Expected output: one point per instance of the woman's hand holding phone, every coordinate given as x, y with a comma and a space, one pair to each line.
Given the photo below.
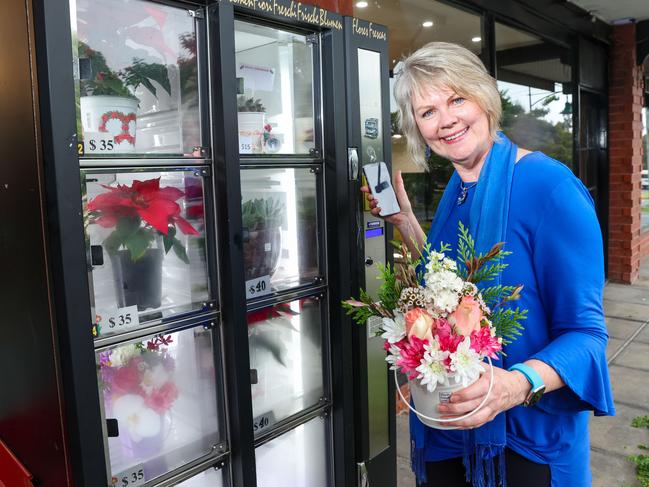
404, 220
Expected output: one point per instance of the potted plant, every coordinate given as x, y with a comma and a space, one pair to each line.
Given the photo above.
262, 220
145, 219
108, 105
251, 119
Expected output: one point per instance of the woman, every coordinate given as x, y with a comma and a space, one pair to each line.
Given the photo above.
449, 104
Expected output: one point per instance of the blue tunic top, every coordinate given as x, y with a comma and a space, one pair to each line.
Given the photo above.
557, 254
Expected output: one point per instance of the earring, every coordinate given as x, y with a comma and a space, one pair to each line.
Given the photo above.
428, 152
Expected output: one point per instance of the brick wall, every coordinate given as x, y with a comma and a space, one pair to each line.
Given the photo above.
625, 156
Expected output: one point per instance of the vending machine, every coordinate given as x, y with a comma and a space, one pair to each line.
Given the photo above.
181, 219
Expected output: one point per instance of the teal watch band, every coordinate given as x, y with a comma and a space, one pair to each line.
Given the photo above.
532, 376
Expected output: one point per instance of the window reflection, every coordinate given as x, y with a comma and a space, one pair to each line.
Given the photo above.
138, 78
279, 214
297, 458
285, 343
534, 79
275, 90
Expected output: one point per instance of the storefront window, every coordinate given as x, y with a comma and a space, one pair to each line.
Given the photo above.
411, 25
644, 176
534, 79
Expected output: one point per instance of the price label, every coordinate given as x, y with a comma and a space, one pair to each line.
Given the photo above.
118, 319
246, 145
98, 143
260, 286
133, 477
263, 422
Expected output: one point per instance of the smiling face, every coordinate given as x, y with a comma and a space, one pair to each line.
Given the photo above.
454, 128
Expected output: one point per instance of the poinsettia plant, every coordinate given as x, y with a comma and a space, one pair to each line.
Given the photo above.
140, 213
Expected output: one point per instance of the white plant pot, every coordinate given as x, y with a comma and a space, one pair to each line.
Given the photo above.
109, 124
251, 132
426, 402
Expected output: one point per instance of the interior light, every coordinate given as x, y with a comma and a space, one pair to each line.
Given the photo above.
427, 23
396, 136
476, 39
361, 4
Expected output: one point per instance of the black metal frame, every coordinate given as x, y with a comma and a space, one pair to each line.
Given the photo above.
382, 467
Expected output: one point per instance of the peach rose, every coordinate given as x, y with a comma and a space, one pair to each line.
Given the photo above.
419, 323
467, 316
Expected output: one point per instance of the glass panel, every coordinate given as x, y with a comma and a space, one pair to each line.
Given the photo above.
297, 458
286, 358
280, 227
275, 90
208, 478
162, 393
644, 174
145, 233
369, 85
534, 79
412, 24
138, 78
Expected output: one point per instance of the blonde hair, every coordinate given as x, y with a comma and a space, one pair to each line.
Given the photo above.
442, 64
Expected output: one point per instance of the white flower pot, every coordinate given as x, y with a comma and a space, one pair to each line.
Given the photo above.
251, 132
426, 402
109, 123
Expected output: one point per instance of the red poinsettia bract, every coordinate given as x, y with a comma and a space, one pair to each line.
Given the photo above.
144, 199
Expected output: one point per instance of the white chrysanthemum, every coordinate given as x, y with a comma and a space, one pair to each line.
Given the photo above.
466, 363
432, 370
394, 329
394, 354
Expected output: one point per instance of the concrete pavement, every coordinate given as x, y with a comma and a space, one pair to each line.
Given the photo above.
612, 438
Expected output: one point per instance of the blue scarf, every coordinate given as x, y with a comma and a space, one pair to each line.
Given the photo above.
489, 213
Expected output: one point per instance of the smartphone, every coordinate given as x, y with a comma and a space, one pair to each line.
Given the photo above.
378, 180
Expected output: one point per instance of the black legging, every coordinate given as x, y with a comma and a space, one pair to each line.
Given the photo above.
521, 472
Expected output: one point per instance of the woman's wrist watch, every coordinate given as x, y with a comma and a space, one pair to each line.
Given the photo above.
533, 377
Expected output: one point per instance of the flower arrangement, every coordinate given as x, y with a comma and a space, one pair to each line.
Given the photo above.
140, 213
438, 327
138, 383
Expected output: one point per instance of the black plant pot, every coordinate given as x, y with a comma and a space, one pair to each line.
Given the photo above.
261, 252
138, 282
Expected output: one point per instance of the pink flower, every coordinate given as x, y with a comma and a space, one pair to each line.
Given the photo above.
161, 399
485, 344
467, 316
412, 352
126, 380
419, 323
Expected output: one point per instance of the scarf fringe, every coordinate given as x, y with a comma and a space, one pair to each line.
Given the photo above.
418, 462
479, 462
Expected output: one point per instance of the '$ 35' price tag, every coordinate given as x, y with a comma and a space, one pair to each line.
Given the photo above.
133, 477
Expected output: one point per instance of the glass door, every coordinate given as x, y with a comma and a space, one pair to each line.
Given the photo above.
368, 130
150, 235
284, 253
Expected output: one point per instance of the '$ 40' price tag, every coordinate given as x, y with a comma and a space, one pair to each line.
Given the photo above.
259, 286
133, 477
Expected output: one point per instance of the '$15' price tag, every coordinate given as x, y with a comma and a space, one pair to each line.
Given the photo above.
133, 477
